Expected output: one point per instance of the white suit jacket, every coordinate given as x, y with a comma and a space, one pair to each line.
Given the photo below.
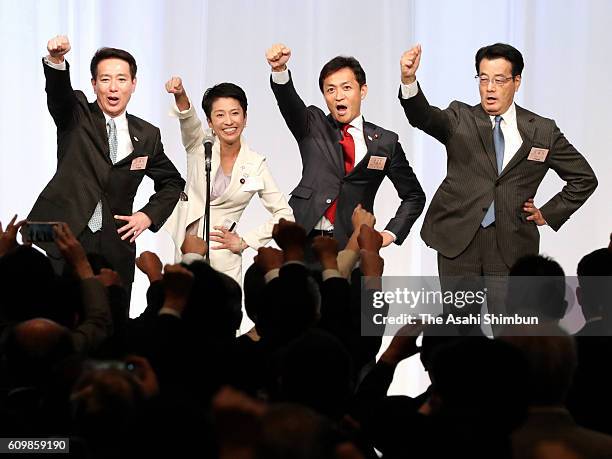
250, 175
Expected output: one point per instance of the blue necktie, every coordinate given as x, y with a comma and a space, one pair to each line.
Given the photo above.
499, 144
95, 222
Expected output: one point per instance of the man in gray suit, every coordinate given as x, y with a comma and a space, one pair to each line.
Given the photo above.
483, 216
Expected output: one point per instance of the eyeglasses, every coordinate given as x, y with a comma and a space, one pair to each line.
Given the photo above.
484, 80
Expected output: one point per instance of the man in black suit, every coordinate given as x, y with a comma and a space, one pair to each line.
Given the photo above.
344, 157
483, 217
102, 155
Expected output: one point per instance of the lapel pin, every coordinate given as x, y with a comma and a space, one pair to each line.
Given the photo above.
136, 139
376, 136
369, 137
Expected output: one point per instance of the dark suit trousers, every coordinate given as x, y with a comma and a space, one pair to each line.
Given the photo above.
479, 266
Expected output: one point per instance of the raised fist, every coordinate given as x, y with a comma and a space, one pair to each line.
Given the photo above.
175, 86
362, 217
57, 47
409, 63
150, 264
269, 258
277, 57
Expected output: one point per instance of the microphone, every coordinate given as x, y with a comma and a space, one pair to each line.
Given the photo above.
209, 139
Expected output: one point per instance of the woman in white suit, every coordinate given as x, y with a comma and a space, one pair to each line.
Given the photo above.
237, 174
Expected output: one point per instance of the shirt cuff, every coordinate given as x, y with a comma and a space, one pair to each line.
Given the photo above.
272, 274
409, 90
189, 258
281, 77
170, 312
176, 113
394, 236
330, 274
60, 66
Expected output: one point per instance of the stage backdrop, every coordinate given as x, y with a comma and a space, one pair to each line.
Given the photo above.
566, 45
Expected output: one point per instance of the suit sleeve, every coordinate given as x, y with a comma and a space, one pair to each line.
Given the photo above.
292, 108
61, 98
438, 123
409, 191
192, 134
580, 180
276, 203
168, 185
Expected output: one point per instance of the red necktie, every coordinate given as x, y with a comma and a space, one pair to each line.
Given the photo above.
348, 147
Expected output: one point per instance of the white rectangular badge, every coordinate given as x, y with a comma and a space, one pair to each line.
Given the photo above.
377, 162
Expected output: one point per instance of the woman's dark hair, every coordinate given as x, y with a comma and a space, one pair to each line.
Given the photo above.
223, 90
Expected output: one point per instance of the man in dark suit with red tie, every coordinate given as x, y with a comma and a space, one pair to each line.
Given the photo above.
344, 157
103, 153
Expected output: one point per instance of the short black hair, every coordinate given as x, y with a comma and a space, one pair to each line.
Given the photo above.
223, 90
112, 53
342, 62
504, 51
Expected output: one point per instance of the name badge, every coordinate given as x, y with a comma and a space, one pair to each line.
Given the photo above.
538, 154
252, 183
139, 163
377, 162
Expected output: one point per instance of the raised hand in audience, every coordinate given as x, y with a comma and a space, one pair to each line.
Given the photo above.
269, 258
326, 250
8, 237
108, 278
372, 264
360, 217
404, 344
369, 239
150, 264
72, 251
291, 238
194, 244
177, 281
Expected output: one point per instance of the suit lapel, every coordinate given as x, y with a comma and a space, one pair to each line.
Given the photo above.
137, 138
485, 130
526, 127
371, 136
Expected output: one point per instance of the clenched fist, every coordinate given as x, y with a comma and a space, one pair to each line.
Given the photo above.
277, 57
57, 47
409, 63
175, 86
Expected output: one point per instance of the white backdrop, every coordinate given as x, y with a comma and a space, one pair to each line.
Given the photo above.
566, 44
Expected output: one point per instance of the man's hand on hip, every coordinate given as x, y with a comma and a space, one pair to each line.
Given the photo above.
135, 225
